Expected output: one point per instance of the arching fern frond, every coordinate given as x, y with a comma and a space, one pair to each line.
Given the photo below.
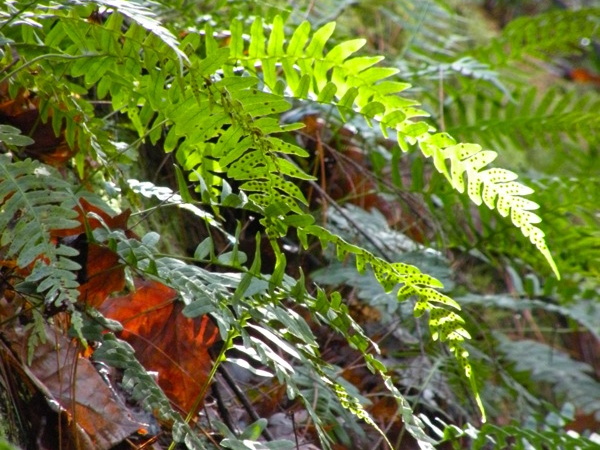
357, 84
495, 187
445, 324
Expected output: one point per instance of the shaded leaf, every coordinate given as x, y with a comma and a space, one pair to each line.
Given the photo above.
63, 376
165, 340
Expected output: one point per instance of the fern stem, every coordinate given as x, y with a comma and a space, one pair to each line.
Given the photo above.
47, 56
220, 358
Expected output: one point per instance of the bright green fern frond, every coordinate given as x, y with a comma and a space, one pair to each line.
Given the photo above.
356, 84
247, 151
445, 324
495, 187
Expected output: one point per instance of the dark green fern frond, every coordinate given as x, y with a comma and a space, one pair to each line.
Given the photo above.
421, 30
205, 292
34, 200
136, 379
575, 230
12, 136
466, 70
499, 438
515, 435
528, 120
543, 36
137, 12
571, 379
431, 30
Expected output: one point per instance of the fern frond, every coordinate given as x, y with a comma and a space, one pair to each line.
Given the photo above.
531, 118
495, 187
100, 55
247, 151
585, 313
34, 200
138, 12
570, 379
142, 14
124, 65
543, 36
431, 30
580, 245
137, 380
204, 293
499, 438
12, 136
467, 70
490, 436
445, 324
357, 84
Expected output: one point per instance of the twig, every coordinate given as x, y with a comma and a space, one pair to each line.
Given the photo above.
351, 221
223, 412
295, 430
243, 399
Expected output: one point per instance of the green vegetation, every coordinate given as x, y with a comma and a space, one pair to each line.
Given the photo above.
312, 200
